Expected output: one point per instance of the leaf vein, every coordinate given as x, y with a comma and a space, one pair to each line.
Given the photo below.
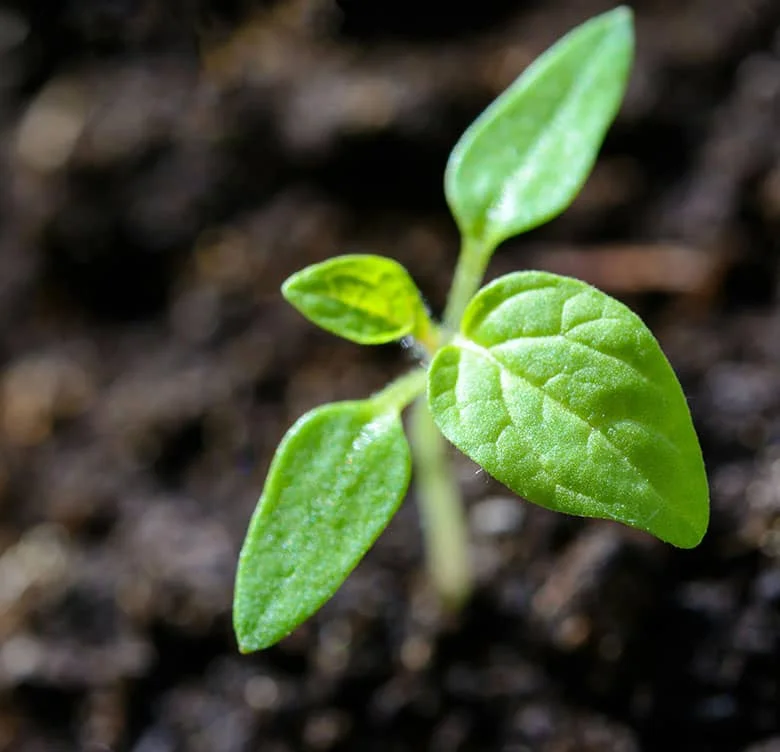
478, 349
575, 343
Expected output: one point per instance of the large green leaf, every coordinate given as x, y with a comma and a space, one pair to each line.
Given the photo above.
363, 298
524, 159
336, 480
562, 394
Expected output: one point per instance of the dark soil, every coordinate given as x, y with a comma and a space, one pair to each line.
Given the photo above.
165, 165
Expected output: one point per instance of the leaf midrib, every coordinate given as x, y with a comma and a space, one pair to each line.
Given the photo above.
467, 344
378, 317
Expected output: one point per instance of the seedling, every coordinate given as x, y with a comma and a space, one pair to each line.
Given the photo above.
557, 390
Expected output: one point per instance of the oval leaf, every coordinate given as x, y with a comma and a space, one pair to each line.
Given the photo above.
525, 158
363, 298
563, 394
335, 482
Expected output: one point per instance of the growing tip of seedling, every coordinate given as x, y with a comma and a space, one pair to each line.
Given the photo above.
525, 158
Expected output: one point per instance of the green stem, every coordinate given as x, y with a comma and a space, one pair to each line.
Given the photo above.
441, 509
472, 262
401, 391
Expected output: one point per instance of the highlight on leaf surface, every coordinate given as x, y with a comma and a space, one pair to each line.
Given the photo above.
563, 394
335, 482
525, 158
367, 299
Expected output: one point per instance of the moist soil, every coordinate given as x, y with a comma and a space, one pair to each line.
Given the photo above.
165, 166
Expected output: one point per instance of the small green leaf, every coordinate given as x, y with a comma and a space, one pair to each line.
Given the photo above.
363, 298
335, 482
563, 394
525, 158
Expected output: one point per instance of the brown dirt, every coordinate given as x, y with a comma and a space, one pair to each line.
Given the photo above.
165, 166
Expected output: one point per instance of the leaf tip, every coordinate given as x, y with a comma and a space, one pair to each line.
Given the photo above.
248, 645
621, 14
244, 639
289, 288
253, 632
621, 22
243, 634
692, 534
680, 531
245, 648
250, 638
617, 19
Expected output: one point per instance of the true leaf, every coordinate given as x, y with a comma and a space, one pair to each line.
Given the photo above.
336, 480
563, 394
363, 298
525, 158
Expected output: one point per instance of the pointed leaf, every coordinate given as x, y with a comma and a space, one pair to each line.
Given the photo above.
363, 298
562, 394
525, 158
335, 482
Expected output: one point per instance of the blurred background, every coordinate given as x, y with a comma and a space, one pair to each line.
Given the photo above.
164, 166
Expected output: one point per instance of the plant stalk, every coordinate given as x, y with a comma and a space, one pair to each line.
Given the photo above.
469, 272
444, 526
441, 507
401, 391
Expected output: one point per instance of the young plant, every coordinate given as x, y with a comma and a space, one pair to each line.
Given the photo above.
557, 390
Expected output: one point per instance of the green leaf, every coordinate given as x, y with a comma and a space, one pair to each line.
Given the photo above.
525, 158
363, 298
563, 394
335, 482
